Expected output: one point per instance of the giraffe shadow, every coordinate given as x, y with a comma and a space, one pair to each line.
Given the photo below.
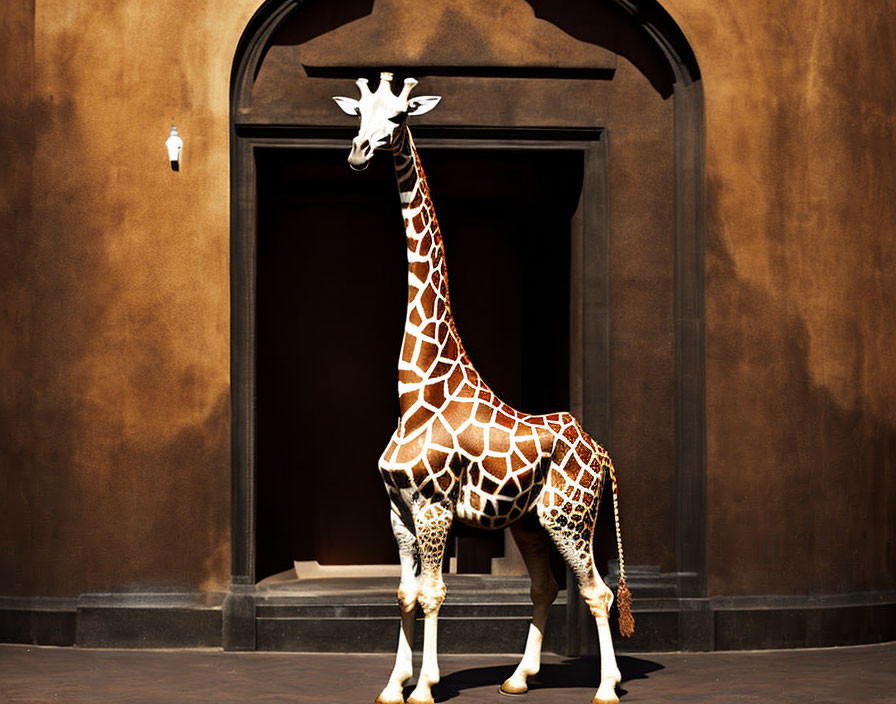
576, 672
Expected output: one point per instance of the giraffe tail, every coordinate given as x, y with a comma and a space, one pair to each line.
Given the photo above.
623, 595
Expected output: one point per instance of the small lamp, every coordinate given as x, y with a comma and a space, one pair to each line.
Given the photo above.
174, 144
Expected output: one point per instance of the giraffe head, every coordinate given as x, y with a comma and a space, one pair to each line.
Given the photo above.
382, 116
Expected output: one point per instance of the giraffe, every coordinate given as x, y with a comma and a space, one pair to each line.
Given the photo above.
460, 453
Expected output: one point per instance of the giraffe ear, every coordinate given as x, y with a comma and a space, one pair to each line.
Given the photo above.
422, 104
349, 106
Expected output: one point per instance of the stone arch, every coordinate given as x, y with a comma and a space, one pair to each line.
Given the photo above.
651, 40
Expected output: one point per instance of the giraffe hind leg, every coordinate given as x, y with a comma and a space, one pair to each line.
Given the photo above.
534, 546
571, 527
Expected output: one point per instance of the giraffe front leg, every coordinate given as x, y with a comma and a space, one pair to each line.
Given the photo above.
407, 601
535, 549
432, 523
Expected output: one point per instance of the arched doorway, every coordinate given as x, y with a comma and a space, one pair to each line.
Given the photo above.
605, 94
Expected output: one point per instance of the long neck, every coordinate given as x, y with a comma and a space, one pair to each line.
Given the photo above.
431, 344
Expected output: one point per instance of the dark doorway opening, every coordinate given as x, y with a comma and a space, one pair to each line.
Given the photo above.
331, 292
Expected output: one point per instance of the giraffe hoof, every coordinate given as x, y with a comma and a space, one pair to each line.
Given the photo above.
381, 700
512, 690
612, 699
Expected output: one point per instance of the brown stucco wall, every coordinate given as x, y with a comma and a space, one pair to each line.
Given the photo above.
801, 293
114, 401
16, 148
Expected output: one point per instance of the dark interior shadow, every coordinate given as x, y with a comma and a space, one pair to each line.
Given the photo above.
494, 204
575, 672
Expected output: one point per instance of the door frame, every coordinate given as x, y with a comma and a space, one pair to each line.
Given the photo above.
589, 291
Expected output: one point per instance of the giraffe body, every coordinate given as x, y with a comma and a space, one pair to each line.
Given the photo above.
460, 452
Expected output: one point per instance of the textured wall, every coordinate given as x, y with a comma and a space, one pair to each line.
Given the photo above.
16, 149
114, 415
801, 293
115, 401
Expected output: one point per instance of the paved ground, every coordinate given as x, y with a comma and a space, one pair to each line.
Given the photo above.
865, 674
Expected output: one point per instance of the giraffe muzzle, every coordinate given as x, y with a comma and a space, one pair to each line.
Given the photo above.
359, 156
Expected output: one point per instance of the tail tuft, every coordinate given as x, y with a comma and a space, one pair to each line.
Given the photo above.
624, 603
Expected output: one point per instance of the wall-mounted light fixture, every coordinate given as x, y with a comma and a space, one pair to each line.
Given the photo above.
174, 144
